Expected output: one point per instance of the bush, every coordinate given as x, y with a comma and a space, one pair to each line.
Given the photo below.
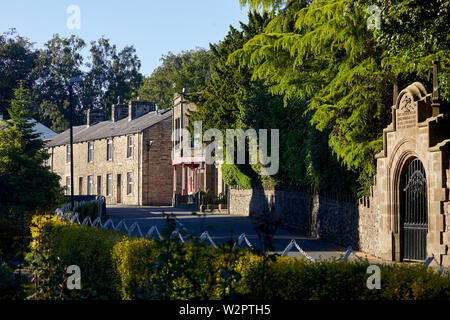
88, 209
87, 247
233, 176
6, 282
116, 266
10, 231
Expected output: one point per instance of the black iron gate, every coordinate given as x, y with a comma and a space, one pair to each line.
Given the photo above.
414, 212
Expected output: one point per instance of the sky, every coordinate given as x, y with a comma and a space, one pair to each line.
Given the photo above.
153, 27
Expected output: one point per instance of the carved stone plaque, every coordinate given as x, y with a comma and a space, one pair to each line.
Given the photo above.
406, 112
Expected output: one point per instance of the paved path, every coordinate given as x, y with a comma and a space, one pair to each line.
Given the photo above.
221, 228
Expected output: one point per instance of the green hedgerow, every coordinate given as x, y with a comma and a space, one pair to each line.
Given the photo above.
116, 266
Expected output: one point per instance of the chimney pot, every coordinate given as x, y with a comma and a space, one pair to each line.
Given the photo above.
93, 116
138, 108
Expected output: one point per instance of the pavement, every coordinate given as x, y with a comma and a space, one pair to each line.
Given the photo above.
223, 228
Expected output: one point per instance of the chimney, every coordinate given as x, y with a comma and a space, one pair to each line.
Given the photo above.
156, 109
119, 110
435, 104
93, 116
138, 108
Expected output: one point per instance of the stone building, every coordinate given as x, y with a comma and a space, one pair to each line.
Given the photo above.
126, 159
407, 216
190, 171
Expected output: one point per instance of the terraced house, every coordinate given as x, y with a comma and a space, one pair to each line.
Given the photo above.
127, 159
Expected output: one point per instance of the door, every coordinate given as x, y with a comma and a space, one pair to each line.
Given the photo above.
119, 188
414, 212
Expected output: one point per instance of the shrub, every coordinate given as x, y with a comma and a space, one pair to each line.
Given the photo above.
87, 247
115, 266
88, 209
6, 282
233, 176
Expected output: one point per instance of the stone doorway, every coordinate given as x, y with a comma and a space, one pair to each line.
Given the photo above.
413, 212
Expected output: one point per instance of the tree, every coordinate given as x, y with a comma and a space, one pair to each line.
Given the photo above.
60, 60
112, 73
29, 184
17, 59
189, 69
232, 100
414, 33
109, 73
331, 59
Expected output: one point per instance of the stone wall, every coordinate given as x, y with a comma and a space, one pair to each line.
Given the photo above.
334, 219
157, 184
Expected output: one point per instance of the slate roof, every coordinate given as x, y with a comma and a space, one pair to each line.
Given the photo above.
107, 129
44, 132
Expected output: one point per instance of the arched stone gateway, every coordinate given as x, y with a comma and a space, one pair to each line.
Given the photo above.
407, 216
413, 212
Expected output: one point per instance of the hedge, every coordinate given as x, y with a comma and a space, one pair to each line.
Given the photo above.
119, 267
6, 282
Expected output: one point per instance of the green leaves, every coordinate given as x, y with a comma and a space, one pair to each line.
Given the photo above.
189, 69
330, 58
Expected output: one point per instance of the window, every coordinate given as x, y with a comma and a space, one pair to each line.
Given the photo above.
68, 154
67, 185
99, 185
109, 184
129, 182
90, 151
89, 185
80, 186
178, 133
109, 150
130, 147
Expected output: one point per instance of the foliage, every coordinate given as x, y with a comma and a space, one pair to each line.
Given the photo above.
168, 269
189, 69
331, 59
21, 161
233, 99
413, 33
17, 60
57, 245
88, 209
109, 73
112, 73
6, 282
330, 56
233, 176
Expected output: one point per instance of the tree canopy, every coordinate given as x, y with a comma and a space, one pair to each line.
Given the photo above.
344, 69
189, 69
27, 184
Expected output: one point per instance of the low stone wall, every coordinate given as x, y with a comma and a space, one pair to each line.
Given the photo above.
291, 207
339, 221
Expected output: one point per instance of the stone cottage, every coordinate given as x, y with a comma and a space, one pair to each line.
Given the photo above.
126, 159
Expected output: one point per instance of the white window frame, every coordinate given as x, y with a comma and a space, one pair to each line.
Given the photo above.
109, 150
90, 157
68, 151
90, 185
109, 184
130, 146
130, 183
